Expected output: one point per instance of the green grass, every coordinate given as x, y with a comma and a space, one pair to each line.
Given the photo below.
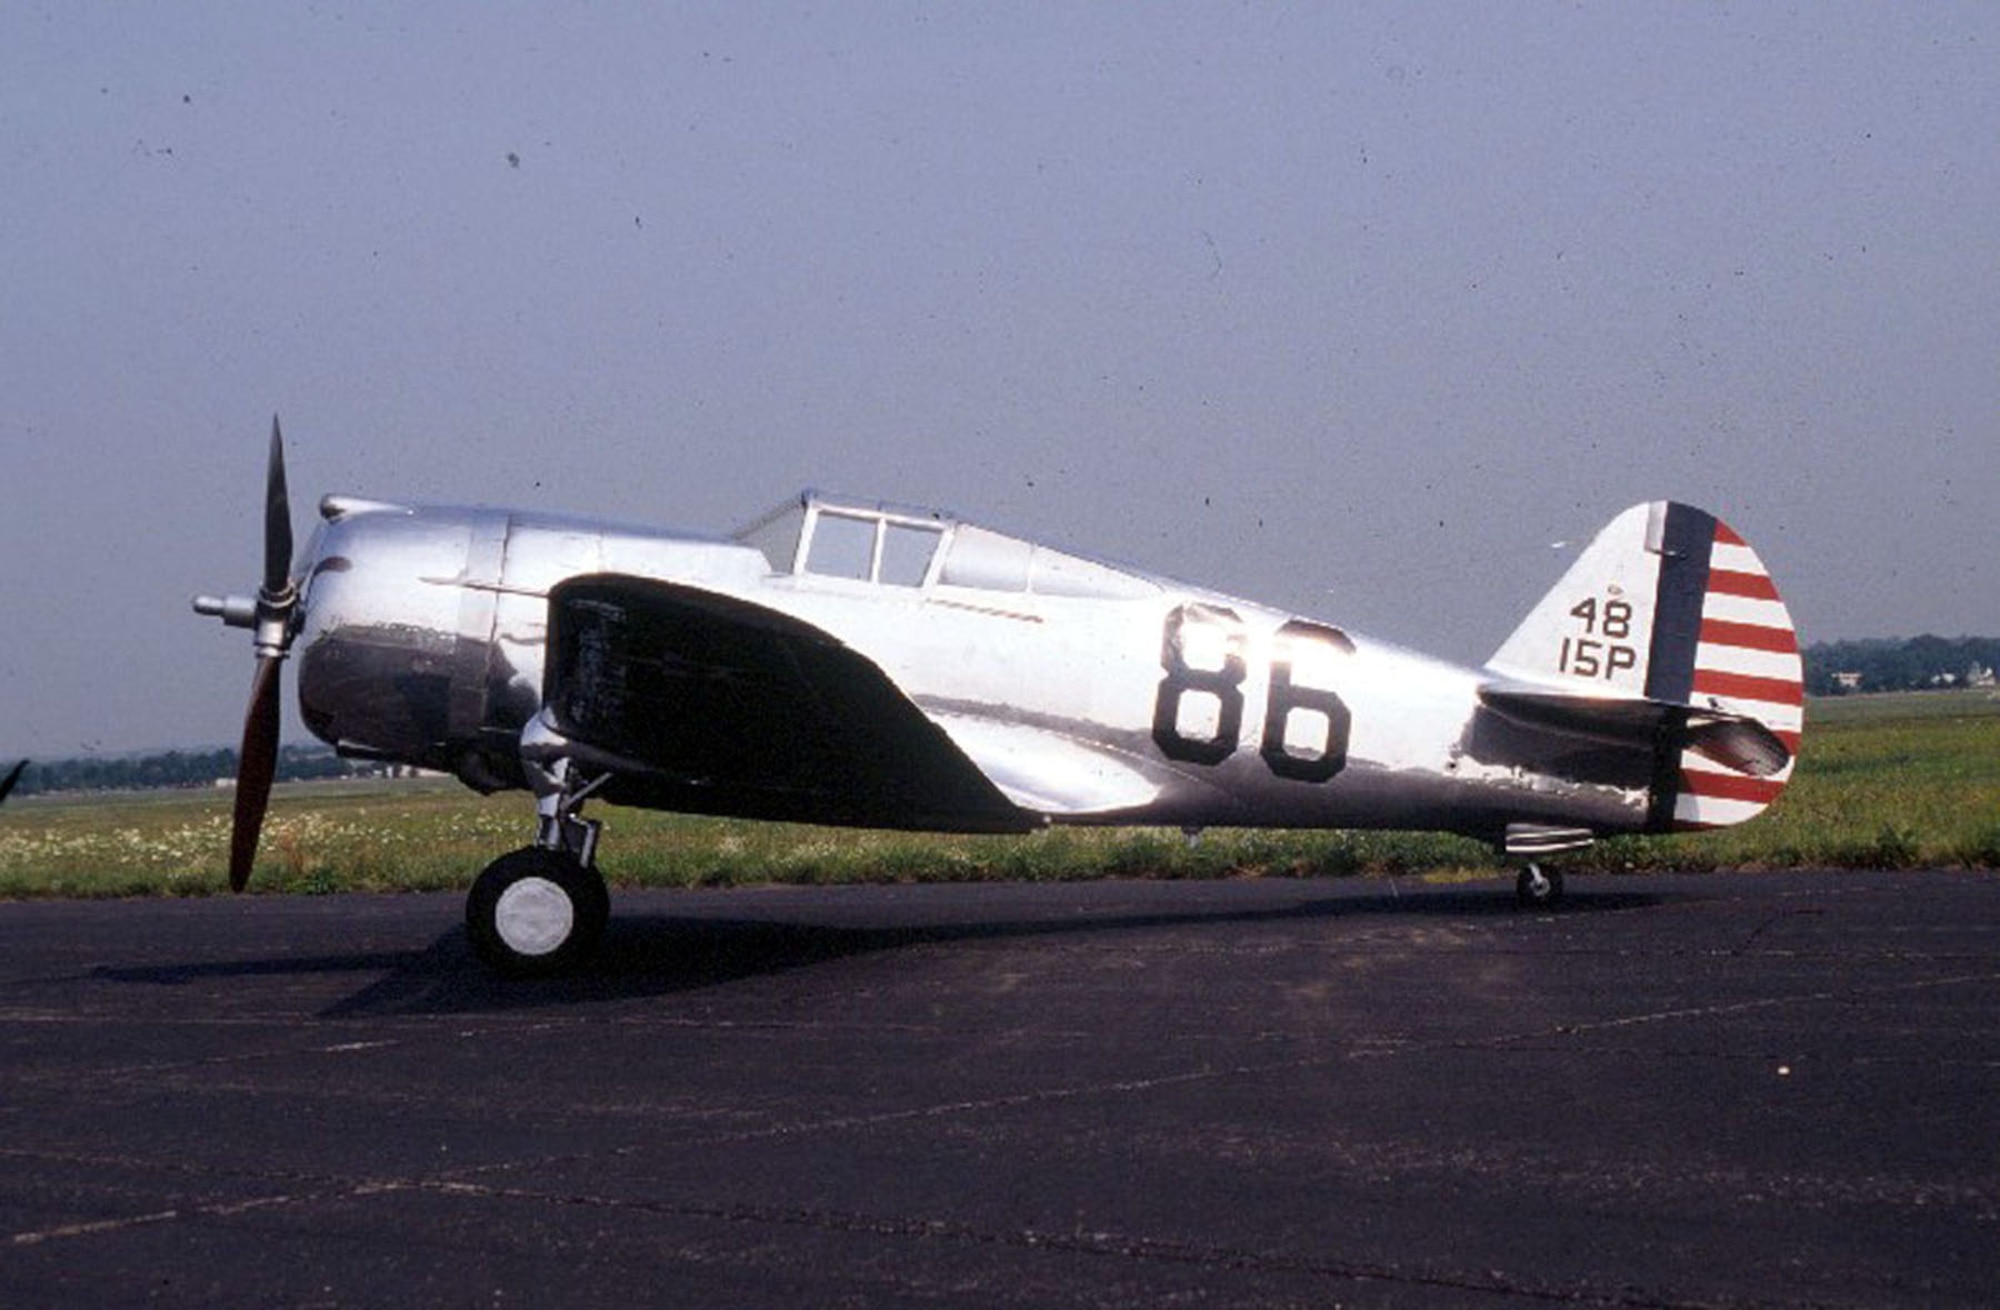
1883, 781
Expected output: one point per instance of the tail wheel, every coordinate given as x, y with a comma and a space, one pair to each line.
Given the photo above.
1538, 887
535, 913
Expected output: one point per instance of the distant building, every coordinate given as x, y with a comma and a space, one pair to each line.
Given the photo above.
1847, 681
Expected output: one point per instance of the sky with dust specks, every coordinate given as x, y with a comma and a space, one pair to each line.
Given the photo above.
1359, 310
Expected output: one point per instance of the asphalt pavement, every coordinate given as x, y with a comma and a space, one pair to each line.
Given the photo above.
1671, 1091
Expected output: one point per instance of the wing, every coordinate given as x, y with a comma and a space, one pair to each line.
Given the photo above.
707, 704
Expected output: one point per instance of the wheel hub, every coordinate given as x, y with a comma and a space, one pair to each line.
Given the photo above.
534, 916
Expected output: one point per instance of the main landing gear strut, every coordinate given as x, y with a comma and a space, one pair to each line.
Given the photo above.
541, 910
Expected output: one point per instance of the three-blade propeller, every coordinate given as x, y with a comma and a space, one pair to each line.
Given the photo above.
269, 615
13, 776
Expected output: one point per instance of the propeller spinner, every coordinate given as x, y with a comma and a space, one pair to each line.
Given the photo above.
269, 616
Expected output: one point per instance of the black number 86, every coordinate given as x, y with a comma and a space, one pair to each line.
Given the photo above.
1225, 683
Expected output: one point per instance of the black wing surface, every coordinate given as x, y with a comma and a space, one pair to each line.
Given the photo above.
706, 704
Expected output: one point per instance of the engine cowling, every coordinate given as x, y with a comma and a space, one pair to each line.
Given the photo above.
397, 649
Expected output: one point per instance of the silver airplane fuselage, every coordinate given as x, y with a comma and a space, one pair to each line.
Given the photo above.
1084, 692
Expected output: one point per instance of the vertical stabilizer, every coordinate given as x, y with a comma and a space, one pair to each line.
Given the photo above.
1667, 604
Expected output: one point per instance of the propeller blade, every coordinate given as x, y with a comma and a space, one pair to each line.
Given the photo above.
13, 776
277, 522
256, 764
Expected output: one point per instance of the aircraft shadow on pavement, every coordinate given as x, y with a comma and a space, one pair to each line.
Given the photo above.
661, 954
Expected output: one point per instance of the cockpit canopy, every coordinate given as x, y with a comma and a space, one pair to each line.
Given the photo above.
900, 546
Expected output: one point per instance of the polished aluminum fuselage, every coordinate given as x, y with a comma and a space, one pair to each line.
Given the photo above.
1085, 693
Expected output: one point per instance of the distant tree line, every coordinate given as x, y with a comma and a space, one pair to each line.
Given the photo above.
176, 769
1927, 663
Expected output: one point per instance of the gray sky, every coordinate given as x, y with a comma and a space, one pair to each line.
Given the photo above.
1353, 309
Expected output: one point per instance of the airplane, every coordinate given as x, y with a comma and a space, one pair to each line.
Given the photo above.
848, 662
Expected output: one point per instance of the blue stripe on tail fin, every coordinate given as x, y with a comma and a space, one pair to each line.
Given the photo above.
1685, 541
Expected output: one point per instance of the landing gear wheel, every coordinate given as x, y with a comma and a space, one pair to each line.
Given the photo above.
535, 913
1537, 888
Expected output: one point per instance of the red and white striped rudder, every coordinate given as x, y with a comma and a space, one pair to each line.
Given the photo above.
1745, 661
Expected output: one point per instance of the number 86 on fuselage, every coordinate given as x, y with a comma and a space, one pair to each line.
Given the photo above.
1198, 708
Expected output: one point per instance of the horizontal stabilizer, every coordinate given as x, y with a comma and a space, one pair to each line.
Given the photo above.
1735, 741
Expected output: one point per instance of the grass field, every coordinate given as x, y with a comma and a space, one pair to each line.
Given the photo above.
1883, 781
